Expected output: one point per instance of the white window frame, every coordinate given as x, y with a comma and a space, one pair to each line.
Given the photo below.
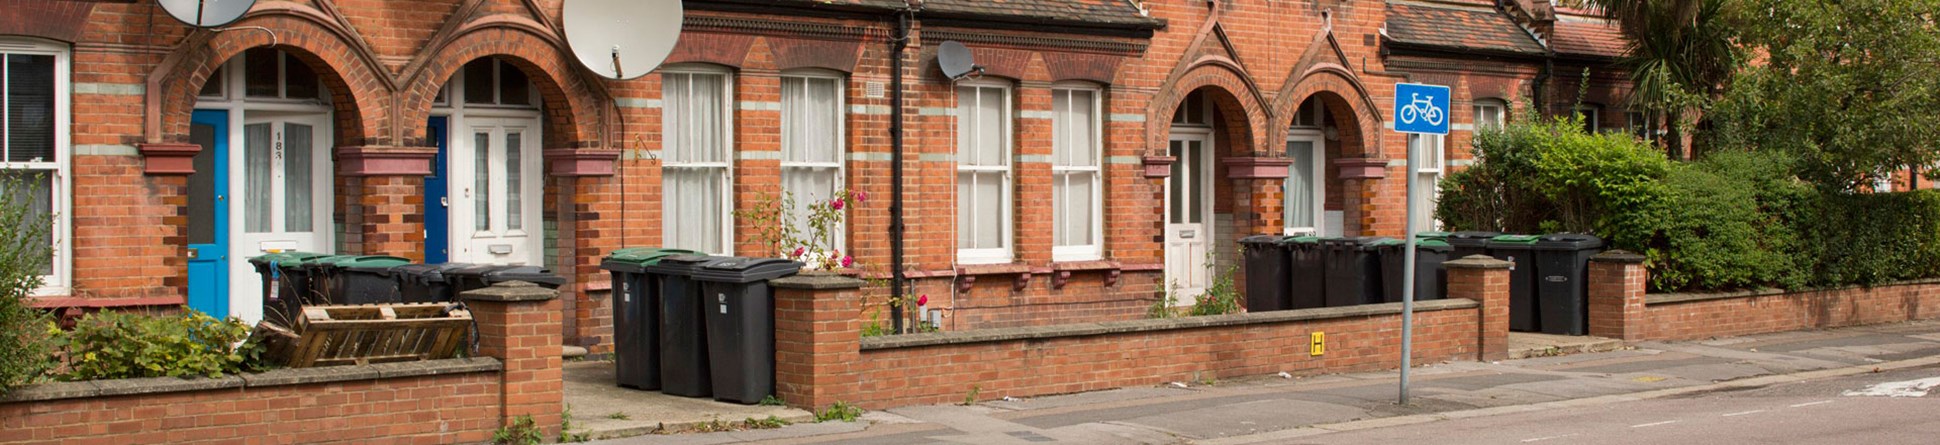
1309, 125
727, 157
841, 144
60, 283
1093, 250
1592, 116
1005, 253
1432, 161
1489, 108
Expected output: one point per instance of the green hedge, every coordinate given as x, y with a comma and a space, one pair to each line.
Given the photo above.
1733, 220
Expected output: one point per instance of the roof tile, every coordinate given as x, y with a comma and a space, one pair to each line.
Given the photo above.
1115, 12
1458, 28
1597, 38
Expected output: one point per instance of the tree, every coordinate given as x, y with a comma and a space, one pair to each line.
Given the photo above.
24, 351
1681, 53
1846, 88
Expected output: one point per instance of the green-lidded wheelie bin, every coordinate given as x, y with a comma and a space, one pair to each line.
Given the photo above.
1562, 273
282, 290
1470, 243
324, 279
741, 325
1430, 278
1307, 274
683, 327
1353, 270
1523, 307
1266, 273
1431, 236
366, 280
636, 314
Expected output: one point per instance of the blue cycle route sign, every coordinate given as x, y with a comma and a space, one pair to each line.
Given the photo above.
1420, 109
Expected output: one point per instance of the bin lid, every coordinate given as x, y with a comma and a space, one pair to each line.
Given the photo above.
426, 273
1355, 242
1473, 235
471, 270
1261, 239
1568, 241
1434, 245
1514, 242
1305, 239
530, 274
1431, 235
745, 270
282, 258
328, 261
636, 259
683, 264
373, 264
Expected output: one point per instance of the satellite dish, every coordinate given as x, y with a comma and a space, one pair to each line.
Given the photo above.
622, 39
206, 13
956, 61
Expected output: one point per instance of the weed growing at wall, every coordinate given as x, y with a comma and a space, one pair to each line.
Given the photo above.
114, 345
522, 431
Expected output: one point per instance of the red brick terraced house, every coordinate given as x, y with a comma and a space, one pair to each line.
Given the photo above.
1104, 149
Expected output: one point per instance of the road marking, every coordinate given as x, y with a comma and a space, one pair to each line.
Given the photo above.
1909, 388
1667, 422
1539, 439
1806, 404
1744, 413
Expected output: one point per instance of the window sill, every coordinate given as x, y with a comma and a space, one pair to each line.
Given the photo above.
967, 274
1061, 271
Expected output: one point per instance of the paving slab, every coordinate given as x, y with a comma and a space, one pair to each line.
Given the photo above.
604, 410
1533, 344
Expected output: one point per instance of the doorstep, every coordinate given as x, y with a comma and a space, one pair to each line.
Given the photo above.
1533, 344
598, 406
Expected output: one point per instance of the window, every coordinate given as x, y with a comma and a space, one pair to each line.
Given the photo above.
983, 173
1193, 111
1305, 194
1591, 115
1490, 114
34, 145
1427, 179
1076, 183
1639, 124
695, 165
272, 74
491, 81
811, 144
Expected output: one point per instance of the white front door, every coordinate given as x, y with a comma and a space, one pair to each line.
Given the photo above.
495, 192
280, 190
1188, 216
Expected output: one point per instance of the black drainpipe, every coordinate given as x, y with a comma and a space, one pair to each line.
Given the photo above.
897, 44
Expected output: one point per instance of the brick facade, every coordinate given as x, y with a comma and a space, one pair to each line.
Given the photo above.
1619, 307
384, 61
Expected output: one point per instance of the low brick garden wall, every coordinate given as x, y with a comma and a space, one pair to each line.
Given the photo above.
517, 372
1620, 308
823, 359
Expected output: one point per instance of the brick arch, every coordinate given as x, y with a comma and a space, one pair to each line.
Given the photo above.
1232, 95
359, 89
1336, 87
572, 105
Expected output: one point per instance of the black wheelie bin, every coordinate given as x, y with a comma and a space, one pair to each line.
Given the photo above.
1562, 281
1523, 306
1266, 259
1307, 277
683, 327
636, 315
741, 325
1353, 270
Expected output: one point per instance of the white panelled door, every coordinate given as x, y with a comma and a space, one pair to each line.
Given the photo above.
1188, 209
495, 192
279, 188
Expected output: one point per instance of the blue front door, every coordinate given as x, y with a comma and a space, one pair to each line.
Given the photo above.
437, 216
209, 214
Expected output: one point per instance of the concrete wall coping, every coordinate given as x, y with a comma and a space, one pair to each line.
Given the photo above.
1618, 256
272, 378
1153, 325
1674, 298
510, 291
816, 281
1478, 262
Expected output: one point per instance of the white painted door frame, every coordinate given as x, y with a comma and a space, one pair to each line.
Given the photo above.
496, 239
1188, 266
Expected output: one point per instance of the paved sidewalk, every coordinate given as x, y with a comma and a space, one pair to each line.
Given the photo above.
1271, 409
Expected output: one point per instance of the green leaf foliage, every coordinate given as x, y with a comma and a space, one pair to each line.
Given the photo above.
113, 345
25, 347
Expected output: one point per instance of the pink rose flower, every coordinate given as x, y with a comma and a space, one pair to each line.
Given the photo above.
836, 204
848, 261
923, 300
861, 196
799, 251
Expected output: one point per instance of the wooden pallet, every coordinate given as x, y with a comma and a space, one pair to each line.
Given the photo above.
346, 335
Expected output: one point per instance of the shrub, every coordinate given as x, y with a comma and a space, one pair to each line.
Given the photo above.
1731, 227
1869, 239
1549, 175
113, 345
25, 352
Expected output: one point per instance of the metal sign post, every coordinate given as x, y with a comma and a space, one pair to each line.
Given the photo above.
1419, 111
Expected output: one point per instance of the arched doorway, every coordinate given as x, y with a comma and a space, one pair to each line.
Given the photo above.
484, 195
264, 177
1206, 210
1311, 196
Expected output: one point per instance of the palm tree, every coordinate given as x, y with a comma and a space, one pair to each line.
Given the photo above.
1680, 52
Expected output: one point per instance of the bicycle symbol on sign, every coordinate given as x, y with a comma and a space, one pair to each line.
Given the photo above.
1421, 108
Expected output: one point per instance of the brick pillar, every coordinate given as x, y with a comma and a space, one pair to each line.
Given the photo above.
818, 339
387, 209
1617, 280
518, 323
1485, 280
